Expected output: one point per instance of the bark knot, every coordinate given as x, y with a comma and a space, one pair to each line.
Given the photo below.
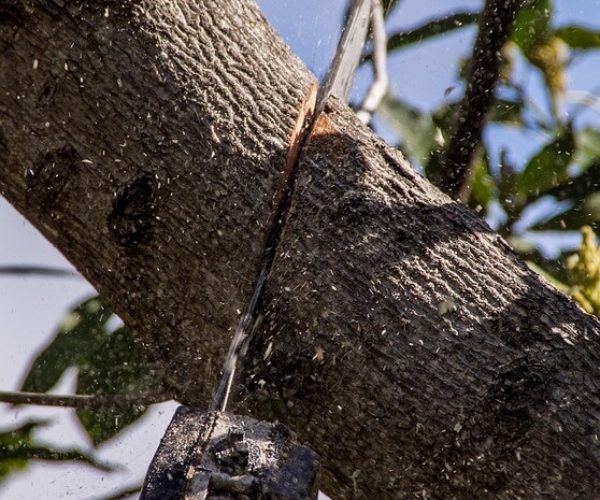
134, 211
49, 179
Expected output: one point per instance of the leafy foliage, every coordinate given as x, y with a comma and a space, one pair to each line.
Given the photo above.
108, 362
546, 169
578, 37
417, 130
584, 273
533, 25
563, 175
17, 447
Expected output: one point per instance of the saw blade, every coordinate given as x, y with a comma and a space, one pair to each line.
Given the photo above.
339, 77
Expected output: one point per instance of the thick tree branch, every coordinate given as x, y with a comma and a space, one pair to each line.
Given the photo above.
136, 125
147, 145
495, 26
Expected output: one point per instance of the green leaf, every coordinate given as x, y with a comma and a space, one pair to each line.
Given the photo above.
430, 29
577, 188
547, 168
533, 25
584, 193
443, 117
578, 37
116, 367
71, 346
101, 425
17, 448
584, 212
11, 440
519, 244
588, 147
507, 192
107, 363
550, 278
483, 185
507, 112
417, 131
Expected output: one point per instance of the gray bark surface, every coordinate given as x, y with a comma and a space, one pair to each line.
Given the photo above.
147, 145
398, 336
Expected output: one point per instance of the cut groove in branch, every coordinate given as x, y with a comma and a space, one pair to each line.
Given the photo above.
300, 133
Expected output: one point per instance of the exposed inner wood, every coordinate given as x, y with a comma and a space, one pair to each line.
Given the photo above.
298, 138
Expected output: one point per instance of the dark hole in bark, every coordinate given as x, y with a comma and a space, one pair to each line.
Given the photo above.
50, 176
47, 92
134, 211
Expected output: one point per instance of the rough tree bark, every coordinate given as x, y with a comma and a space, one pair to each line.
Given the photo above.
398, 335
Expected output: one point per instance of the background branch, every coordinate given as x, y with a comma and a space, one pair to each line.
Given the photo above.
25, 270
431, 28
126, 492
80, 400
380, 78
495, 26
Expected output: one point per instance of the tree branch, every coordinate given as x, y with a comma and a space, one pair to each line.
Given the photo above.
44, 271
80, 400
126, 493
431, 28
495, 26
379, 85
185, 113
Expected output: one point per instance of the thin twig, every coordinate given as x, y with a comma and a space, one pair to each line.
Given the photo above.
125, 493
80, 400
495, 26
32, 452
25, 270
380, 80
429, 29
586, 100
